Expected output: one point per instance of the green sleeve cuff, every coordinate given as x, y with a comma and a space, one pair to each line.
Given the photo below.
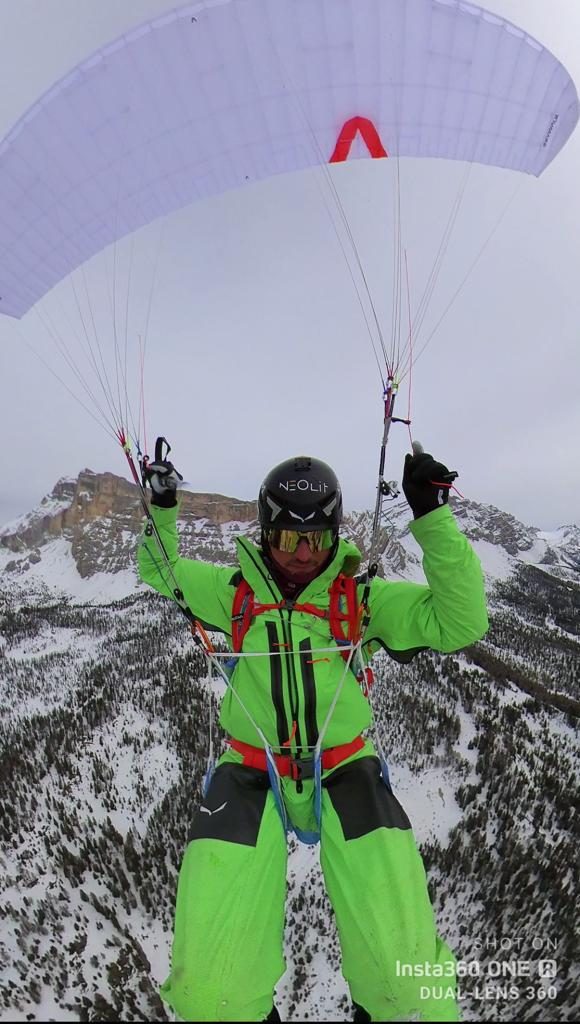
164, 516
431, 523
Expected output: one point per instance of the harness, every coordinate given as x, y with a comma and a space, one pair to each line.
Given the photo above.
344, 615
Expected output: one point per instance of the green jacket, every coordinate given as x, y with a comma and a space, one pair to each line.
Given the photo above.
293, 684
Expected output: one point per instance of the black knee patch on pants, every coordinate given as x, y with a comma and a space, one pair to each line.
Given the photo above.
233, 806
362, 800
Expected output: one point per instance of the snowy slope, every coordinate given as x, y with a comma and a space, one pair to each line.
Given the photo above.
104, 710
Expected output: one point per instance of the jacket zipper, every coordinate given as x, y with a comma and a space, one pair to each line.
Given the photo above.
309, 687
292, 683
276, 685
279, 705
293, 692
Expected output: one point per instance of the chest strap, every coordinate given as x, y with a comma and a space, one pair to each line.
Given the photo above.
292, 767
344, 613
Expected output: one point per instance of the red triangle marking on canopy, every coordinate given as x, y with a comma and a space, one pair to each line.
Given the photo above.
347, 136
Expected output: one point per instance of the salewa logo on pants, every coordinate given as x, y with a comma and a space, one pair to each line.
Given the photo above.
206, 810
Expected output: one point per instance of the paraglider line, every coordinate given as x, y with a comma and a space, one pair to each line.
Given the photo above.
70, 362
105, 377
470, 269
410, 349
339, 205
441, 253
104, 424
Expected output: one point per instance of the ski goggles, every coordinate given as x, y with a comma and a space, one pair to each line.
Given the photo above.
288, 540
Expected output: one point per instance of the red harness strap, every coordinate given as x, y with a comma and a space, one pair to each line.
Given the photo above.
255, 757
344, 625
242, 613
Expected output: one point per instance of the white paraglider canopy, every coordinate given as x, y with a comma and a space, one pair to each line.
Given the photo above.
220, 94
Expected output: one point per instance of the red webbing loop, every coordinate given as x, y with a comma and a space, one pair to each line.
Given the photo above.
255, 757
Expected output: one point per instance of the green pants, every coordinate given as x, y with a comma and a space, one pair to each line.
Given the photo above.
228, 942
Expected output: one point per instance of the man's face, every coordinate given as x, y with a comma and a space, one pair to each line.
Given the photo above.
302, 564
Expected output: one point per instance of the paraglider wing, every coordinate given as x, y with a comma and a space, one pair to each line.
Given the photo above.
217, 95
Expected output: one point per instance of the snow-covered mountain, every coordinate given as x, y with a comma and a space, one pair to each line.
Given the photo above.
104, 716
88, 527
84, 534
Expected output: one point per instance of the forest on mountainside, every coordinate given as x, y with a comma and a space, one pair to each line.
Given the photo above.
103, 748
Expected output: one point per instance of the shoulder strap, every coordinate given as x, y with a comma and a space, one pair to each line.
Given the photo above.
242, 613
244, 610
346, 625
343, 614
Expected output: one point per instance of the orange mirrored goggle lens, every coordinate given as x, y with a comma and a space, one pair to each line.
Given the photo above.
288, 540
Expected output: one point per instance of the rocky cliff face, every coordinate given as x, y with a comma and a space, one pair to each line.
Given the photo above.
484, 522
101, 515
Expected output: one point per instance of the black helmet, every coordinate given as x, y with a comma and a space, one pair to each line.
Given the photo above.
300, 494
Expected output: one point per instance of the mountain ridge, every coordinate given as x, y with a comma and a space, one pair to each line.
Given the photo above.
100, 515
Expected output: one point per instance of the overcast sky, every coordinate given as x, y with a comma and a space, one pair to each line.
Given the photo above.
257, 348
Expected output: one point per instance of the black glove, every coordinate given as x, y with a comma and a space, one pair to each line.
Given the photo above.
162, 477
424, 482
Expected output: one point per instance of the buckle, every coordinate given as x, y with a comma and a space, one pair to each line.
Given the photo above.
301, 768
